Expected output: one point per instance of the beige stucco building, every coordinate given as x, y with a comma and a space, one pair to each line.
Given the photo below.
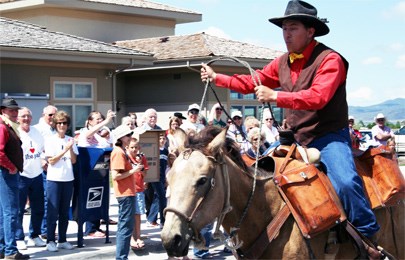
84, 55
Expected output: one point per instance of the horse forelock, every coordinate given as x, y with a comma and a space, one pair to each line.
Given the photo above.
201, 141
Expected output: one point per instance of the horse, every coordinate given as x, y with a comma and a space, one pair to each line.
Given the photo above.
209, 179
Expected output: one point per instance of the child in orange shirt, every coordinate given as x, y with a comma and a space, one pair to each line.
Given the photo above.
139, 163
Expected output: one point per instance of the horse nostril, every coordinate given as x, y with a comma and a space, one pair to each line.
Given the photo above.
177, 241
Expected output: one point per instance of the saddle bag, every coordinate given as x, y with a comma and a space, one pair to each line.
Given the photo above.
309, 194
383, 181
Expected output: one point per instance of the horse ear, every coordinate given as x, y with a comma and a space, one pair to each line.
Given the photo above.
217, 143
181, 138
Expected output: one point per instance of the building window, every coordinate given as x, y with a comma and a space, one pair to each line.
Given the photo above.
73, 90
76, 97
249, 110
237, 96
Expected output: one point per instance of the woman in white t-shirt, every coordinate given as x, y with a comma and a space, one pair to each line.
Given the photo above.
61, 153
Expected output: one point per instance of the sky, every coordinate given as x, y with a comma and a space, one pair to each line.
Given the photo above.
370, 34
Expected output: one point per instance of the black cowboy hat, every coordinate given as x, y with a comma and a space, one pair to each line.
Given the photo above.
9, 103
302, 11
179, 115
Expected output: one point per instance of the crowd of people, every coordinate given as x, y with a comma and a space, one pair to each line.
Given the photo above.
38, 163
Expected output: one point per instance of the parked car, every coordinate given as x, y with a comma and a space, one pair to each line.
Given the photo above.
366, 139
400, 140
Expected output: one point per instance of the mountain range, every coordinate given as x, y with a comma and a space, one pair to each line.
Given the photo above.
393, 110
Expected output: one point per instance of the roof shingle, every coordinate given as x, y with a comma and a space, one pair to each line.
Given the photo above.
196, 46
20, 34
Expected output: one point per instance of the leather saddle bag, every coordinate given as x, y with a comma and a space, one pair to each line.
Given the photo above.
383, 181
309, 194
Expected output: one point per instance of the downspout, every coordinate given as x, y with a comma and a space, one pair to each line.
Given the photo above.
114, 87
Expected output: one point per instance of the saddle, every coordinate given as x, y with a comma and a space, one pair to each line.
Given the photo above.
313, 202
384, 184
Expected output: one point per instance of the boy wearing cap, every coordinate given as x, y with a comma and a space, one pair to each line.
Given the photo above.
380, 132
312, 78
11, 163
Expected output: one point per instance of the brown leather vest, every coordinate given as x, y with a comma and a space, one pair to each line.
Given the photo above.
13, 148
309, 124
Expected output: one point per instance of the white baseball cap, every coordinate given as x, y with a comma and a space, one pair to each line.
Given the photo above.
236, 113
193, 106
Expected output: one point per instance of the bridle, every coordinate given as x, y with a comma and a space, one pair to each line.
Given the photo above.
226, 207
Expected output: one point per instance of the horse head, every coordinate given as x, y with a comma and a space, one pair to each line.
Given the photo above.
200, 191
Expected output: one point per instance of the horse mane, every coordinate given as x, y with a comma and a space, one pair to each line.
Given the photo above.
201, 140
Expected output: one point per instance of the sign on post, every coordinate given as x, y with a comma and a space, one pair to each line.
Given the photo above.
149, 143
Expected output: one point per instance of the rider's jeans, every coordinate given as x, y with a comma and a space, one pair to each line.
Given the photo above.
337, 162
9, 203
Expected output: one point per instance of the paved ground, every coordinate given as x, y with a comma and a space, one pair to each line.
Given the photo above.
98, 249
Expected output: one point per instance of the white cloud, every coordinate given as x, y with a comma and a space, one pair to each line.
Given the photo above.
215, 31
396, 46
400, 63
396, 12
372, 60
362, 94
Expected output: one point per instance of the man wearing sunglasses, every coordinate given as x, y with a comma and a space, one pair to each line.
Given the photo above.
380, 132
47, 128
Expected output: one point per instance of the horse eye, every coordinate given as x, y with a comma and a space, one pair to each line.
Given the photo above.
202, 181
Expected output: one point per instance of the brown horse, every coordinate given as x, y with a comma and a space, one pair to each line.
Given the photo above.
209, 178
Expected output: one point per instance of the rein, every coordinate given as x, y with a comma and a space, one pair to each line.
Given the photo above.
256, 80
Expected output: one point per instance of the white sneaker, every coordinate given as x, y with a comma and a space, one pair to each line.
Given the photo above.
37, 241
21, 245
51, 247
65, 245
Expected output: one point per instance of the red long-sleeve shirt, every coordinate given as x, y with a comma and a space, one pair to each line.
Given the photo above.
330, 75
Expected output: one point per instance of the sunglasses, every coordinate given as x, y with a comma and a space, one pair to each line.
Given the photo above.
51, 115
194, 112
218, 109
269, 119
237, 118
61, 123
380, 120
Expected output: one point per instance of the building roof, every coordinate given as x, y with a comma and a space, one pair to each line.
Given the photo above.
198, 46
29, 36
131, 7
142, 4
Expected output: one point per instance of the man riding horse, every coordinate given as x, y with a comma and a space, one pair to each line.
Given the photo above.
312, 78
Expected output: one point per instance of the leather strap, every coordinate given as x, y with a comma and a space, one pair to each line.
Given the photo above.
358, 239
267, 236
287, 157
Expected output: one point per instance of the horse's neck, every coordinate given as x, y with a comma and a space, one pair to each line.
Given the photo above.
263, 207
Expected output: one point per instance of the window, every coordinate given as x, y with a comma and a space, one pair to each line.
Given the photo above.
73, 90
256, 111
237, 96
75, 96
78, 114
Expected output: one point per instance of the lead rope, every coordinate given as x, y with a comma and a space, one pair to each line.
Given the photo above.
232, 241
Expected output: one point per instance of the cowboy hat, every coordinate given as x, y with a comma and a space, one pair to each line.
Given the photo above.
9, 103
304, 12
179, 115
